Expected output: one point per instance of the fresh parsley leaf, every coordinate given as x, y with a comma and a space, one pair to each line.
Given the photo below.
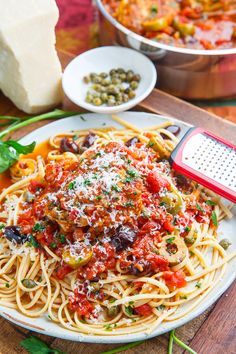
210, 202
150, 144
184, 297
187, 229
214, 218
61, 238
200, 208
198, 285
129, 204
115, 188
107, 327
35, 345
112, 300
38, 227
98, 197
131, 302
170, 240
33, 242
129, 310
132, 173
72, 185
154, 9
7, 285
2, 226
53, 245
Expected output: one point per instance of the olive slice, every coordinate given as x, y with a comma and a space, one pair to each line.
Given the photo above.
173, 249
172, 201
77, 258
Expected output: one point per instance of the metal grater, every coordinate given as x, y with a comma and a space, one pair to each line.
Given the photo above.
208, 160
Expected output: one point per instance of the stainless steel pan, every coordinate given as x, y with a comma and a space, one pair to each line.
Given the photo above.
184, 72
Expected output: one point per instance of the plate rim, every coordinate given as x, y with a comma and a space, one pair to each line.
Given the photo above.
86, 338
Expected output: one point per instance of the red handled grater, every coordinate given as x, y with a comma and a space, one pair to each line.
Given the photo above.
208, 160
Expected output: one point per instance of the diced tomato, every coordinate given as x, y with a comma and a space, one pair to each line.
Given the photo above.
175, 279
156, 182
62, 271
35, 186
78, 303
168, 226
143, 310
138, 284
158, 263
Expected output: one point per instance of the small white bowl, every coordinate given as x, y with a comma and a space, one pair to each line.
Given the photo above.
103, 59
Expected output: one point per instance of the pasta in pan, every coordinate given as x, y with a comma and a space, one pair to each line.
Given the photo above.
102, 235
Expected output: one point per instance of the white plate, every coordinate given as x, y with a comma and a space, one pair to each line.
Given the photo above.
103, 59
227, 229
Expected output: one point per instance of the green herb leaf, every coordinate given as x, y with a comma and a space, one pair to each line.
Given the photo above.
35, 345
179, 342
129, 310
170, 240
187, 229
7, 285
210, 202
33, 242
2, 226
160, 307
198, 285
200, 208
107, 327
72, 185
132, 173
38, 227
21, 149
214, 218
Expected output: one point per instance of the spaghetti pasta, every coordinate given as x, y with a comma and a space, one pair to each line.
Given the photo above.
104, 236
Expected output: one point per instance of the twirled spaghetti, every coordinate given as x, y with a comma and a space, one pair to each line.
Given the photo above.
102, 235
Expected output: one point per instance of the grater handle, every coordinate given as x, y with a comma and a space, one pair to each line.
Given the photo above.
178, 165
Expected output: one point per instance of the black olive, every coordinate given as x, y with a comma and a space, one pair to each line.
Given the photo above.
68, 145
12, 233
183, 183
132, 141
89, 140
174, 129
135, 271
123, 238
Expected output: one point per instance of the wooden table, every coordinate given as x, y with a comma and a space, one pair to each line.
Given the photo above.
211, 333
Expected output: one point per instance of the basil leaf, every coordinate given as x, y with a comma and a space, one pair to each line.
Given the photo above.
214, 218
21, 149
8, 156
35, 345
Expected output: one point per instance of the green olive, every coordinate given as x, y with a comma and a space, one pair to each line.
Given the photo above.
113, 311
103, 75
136, 77
120, 71
189, 239
104, 97
115, 81
123, 77
112, 72
89, 98
111, 102
77, 260
86, 79
173, 249
97, 87
156, 24
172, 201
105, 82
185, 29
125, 97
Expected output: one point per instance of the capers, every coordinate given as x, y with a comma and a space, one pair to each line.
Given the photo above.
113, 88
225, 243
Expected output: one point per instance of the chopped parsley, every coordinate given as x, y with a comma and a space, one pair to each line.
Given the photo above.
38, 227
129, 161
214, 218
154, 9
132, 173
112, 300
131, 302
116, 188
129, 310
87, 182
72, 185
2, 226
200, 208
198, 285
170, 240
61, 238
150, 144
108, 327
33, 242
98, 197
129, 204
210, 202
160, 307
53, 245
7, 285
187, 229
98, 154
184, 297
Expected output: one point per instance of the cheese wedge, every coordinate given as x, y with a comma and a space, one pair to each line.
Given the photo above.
30, 71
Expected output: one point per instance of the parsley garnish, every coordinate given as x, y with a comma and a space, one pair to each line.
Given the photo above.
200, 208
154, 9
35, 345
87, 182
38, 227
198, 285
2, 226
160, 307
116, 188
108, 327
150, 144
170, 240
72, 185
129, 310
112, 300
214, 218
131, 302
33, 242
129, 204
132, 173
129, 161
187, 229
184, 297
98, 197
7, 285
61, 238
53, 245
210, 202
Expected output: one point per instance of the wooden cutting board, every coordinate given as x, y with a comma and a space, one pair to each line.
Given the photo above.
211, 333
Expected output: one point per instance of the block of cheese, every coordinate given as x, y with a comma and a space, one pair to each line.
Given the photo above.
30, 71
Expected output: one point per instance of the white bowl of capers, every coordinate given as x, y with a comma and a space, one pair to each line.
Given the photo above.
109, 79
